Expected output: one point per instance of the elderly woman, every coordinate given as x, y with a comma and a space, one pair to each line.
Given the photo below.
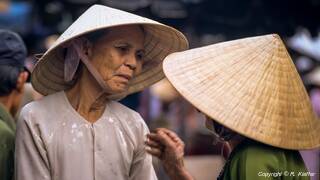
77, 131
253, 101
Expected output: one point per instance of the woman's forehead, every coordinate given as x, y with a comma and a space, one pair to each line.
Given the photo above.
126, 31
127, 28
133, 32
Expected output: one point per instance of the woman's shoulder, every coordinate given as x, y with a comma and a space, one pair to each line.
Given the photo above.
249, 153
134, 126
124, 111
128, 117
253, 160
45, 104
253, 150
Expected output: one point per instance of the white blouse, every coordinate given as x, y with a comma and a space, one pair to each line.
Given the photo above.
55, 143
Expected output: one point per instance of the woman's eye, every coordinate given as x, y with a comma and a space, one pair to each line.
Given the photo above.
123, 48
139, 56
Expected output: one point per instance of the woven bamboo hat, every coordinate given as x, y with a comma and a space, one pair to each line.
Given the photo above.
250, 86
160, 40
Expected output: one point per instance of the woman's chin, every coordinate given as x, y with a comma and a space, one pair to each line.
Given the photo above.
121, 88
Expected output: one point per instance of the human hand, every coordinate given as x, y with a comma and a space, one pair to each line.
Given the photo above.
169, 148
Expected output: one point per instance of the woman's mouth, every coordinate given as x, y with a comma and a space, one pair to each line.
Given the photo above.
125, 76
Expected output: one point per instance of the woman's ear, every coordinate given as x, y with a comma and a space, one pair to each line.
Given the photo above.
87, 48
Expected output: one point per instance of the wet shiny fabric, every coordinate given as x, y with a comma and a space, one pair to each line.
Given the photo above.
54, 142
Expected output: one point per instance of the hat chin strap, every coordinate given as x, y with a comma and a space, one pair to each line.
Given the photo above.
105, 88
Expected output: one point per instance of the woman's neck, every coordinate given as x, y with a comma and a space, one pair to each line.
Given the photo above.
87, 98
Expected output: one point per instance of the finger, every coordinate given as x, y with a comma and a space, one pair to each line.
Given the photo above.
154, 151
161, 129
165, 139
156, 138
175, 138
153, 137
169, 132
161, 138
154, 144
172, 135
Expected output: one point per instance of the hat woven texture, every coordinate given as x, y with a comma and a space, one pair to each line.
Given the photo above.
160, 40
251, 86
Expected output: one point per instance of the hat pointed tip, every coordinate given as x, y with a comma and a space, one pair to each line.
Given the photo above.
275, 35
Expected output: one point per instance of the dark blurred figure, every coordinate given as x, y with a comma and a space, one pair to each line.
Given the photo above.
12, 78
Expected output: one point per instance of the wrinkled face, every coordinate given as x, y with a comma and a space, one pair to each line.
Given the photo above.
118, 56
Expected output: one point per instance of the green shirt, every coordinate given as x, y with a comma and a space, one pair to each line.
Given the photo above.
7, 137
254, 161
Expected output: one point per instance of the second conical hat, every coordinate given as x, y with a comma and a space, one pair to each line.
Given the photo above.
250, 86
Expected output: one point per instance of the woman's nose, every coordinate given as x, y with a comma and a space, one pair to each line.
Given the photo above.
131, 62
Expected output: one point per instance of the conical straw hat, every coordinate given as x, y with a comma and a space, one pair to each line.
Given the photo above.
250, 86
160, 40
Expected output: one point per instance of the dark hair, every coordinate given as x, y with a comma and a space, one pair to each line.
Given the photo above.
95, 36
8, 79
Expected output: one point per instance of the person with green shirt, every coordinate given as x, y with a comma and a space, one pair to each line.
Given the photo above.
12, 78
254, 102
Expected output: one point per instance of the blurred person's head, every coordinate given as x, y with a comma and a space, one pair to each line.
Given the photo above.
12, 72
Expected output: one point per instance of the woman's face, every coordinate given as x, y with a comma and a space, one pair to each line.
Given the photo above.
118, 56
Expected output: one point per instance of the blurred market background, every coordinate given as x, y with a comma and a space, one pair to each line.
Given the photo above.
204, 22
